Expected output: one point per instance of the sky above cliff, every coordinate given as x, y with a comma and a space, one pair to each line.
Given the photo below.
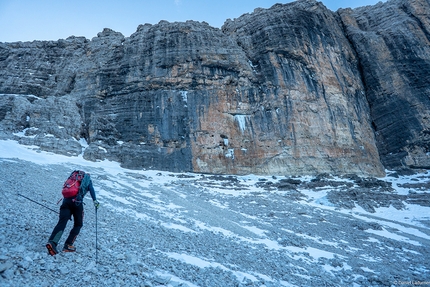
28, 20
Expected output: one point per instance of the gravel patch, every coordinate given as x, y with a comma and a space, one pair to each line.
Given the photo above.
164, 229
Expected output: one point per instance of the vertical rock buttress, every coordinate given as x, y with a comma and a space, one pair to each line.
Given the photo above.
392, 41
313, 115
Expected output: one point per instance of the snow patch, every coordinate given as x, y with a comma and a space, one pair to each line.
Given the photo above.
241, 120
184, 95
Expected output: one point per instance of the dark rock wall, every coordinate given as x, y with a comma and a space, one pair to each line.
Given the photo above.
392, 41
294, 89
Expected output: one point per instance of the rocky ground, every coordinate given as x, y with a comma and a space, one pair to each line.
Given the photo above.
165, 229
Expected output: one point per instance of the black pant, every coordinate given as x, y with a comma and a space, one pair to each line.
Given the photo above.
67, 209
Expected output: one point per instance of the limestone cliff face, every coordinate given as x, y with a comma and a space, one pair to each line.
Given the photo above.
314, 107
392, 41
279, 91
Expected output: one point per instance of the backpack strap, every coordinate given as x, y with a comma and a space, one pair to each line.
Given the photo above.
83, 189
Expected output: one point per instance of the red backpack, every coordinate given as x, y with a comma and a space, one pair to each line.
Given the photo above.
72, 184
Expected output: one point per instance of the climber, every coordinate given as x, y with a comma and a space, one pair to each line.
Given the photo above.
74, 191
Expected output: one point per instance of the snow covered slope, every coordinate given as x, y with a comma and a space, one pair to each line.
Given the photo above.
166, 229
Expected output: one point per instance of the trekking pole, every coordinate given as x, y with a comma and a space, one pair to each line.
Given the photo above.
96, 237
38, 203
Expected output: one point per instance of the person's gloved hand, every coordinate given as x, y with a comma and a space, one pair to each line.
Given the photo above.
96, 204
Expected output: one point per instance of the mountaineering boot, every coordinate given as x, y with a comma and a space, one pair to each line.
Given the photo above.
69, 248
52, 248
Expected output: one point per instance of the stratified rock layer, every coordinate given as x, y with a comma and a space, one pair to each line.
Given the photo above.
294, 89
392, 41
314, 115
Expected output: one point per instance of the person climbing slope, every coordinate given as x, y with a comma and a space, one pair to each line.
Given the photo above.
74, 190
